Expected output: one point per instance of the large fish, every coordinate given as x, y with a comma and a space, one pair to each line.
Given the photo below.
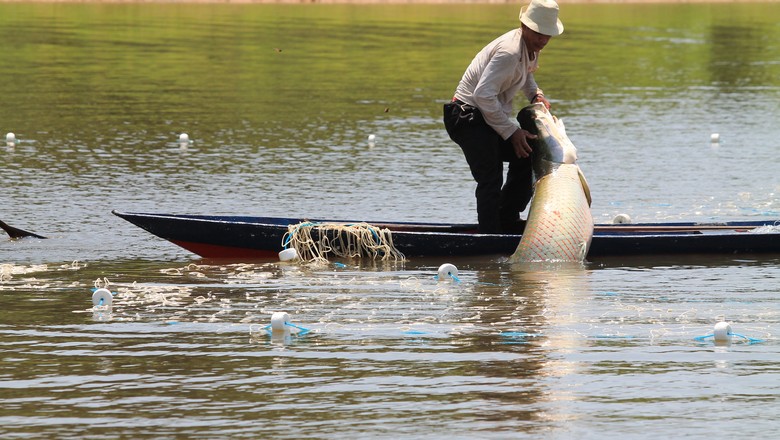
560, 224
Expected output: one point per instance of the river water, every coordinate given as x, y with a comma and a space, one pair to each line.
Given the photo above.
279, 102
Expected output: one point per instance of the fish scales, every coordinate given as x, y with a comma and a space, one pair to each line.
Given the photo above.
560, 225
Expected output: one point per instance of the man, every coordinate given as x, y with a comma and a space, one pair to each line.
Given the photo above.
479, 118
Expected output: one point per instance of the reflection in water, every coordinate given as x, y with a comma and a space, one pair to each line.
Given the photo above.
737, 58
562, 290
536, 311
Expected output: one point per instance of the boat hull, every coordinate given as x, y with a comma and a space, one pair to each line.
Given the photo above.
240, 238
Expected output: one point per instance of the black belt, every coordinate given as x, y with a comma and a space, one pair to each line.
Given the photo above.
463, 106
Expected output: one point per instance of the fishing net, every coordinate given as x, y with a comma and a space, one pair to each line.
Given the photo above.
315, 241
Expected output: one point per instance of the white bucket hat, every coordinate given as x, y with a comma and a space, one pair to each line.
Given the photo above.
542, 16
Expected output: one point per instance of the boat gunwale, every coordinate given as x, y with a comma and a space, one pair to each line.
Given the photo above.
601, 229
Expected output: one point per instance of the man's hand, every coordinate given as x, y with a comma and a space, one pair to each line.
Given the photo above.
520, 142
542, 99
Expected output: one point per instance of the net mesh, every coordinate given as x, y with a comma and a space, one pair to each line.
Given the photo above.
314, 242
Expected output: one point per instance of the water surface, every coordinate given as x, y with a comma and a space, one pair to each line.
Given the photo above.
279, 102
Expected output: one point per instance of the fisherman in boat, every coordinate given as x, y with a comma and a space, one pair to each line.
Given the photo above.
480, 117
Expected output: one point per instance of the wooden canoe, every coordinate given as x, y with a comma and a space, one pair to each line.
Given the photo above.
243, 237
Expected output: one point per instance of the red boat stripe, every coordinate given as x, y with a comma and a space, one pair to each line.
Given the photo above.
217, 251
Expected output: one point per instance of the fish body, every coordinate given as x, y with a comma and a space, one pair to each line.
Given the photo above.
560, 225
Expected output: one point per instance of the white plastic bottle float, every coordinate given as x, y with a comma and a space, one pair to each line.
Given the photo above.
279, 321
621, 219
448, 272
288, 254
722, 332
281, 326
102, 297
715, 138
723, 335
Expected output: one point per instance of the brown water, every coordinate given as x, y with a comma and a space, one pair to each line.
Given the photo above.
279, 102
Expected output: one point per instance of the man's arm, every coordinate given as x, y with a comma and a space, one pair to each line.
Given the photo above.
534, 93
497, 76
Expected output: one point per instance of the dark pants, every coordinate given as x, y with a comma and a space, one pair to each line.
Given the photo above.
498, 204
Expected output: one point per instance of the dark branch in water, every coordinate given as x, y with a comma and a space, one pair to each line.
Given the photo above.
16, 232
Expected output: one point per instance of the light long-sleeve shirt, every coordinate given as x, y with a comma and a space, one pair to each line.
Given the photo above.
496, 74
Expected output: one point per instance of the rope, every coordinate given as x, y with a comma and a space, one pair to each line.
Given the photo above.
314, 241
102, 283
451, 275
301, 330
748, 339
5, 272
766, 229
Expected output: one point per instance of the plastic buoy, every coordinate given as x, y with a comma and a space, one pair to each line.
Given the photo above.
288, 254
184, 138
448, 272
102, 297
371, 140
281, 329
279, 321
10, 138
722, 332
722, 335
715, 138
621, 219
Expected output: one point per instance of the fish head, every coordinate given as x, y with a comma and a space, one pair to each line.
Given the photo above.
551, 146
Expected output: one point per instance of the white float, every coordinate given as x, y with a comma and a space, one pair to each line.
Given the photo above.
288, 254
621, 219
279, 322
722, 332
281, 329
715, 138
448, 272
102, 297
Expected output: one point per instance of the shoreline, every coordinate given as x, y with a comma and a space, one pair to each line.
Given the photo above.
380, 2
